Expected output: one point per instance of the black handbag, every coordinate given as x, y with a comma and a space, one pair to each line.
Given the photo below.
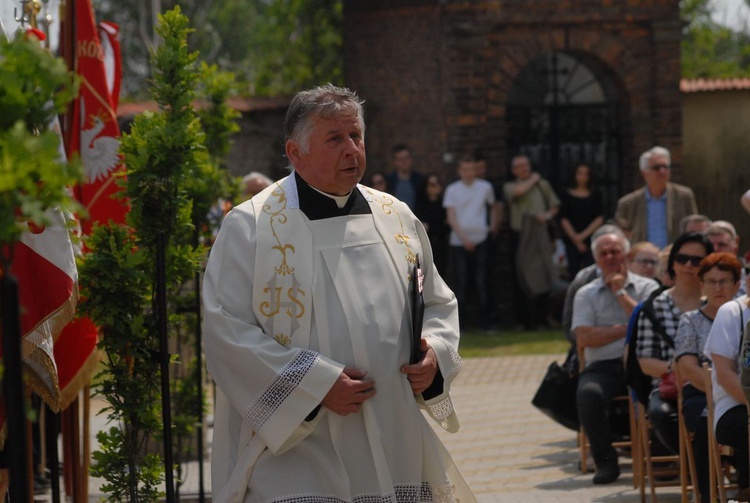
556, 396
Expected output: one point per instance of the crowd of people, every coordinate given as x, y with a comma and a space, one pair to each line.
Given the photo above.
658, 268
678, 292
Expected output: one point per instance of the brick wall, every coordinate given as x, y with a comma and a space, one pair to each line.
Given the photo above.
436, 74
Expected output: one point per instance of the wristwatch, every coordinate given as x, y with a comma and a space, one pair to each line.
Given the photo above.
621, 292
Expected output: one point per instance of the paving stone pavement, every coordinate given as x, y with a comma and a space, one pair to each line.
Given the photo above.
506, 449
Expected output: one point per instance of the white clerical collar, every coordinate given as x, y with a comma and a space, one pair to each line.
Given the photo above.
340, 200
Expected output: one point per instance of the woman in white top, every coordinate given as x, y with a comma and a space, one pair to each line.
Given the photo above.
730, 416
720, 279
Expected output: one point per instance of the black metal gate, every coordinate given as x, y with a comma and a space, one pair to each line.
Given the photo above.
562, 112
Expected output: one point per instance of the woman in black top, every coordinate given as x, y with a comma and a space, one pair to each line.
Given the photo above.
432, 214
580, 215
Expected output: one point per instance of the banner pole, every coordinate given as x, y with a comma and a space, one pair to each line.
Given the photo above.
15, 407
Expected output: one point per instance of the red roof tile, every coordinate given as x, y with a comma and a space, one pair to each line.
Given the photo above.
704, 85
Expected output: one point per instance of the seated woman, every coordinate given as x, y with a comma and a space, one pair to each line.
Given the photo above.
730, 405
720, 279
655, 345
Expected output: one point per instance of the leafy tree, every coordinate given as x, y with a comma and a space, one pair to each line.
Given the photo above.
118, 276
273, 46
296, 44
34, 88
710, 49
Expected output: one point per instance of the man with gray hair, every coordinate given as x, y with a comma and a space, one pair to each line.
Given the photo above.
694, 223
724, 238
601, 311
653, 212
308, 316
253, 183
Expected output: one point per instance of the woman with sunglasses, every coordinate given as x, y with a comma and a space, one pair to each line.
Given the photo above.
655, 346
719, 274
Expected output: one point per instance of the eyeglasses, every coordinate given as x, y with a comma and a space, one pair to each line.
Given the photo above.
646, 261
659, 167
433, 184
682, 258
719, 282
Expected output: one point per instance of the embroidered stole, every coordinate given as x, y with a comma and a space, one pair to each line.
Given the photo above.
282, 292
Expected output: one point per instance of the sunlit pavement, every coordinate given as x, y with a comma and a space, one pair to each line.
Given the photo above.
506, 449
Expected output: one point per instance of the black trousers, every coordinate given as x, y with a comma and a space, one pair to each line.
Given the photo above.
598, 384
731, 429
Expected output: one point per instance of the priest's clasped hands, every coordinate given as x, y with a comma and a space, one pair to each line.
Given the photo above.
351, 389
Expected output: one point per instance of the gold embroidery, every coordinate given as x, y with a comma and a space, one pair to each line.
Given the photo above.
282, 298
386, 204
282, 339
278, 216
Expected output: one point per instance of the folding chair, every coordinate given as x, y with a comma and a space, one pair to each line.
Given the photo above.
719, 472
657, 476
688, 477
631, 443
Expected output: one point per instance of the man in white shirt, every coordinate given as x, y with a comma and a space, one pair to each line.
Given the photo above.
467, 202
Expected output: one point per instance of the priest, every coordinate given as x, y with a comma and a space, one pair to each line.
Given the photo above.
308, 329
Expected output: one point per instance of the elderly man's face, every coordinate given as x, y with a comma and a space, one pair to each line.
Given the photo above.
658, 173
610, 254
723, 243
335, 159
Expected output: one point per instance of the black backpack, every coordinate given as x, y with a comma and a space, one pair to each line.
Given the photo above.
639, 382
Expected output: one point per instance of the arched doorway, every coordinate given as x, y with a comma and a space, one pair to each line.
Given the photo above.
564, 110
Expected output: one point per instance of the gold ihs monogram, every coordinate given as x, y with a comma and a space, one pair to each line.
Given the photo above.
284, 306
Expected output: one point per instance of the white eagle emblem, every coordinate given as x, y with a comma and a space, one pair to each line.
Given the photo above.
99, 155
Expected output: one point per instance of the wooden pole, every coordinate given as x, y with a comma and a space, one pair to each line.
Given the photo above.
166, 406
52, 432
199, 388
29, 457
86, 461
13, 385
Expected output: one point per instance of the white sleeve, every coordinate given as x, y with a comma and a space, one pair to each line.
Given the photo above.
724, 337
448, 197
440, 329
271, 387
584, 314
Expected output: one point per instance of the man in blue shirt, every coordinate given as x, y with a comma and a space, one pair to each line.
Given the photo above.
404, 182
653, 212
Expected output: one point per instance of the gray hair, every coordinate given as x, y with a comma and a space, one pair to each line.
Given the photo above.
326, 101
648, 154
606, 229
615, 231
253, 175
721, 227
695, 218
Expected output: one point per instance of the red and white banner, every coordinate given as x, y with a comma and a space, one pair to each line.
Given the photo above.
43, 263
109, 34
95, 134
95, 137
